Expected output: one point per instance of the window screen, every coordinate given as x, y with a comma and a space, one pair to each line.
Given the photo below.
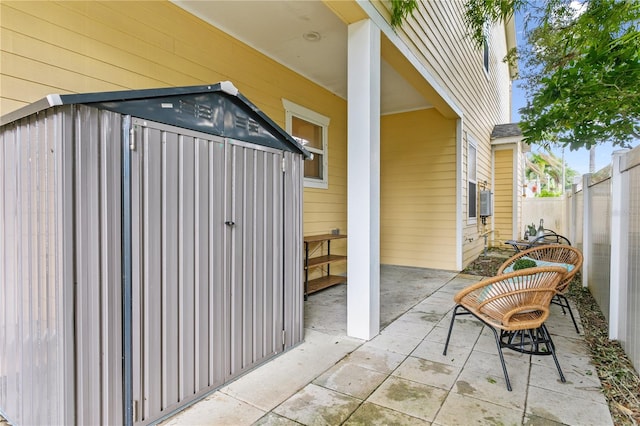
472, 180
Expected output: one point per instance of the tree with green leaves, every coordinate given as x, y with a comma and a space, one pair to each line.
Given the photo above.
550, 171
400, 9
581, 68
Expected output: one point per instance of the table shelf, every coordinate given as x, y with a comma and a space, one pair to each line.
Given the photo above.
323, 282
325, 260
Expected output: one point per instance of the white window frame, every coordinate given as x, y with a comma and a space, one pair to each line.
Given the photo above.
294, 110
472, 145
486, 52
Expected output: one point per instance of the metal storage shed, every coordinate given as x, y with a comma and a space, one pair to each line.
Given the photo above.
150, 251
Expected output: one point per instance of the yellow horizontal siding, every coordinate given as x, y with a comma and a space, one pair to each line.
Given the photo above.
417, 215
12, 89
503, 195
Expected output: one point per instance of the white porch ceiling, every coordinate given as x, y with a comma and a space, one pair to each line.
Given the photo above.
278, 28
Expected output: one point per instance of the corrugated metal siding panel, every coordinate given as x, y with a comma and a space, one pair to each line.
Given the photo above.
293, 265
10, 344
178, 278
256, 255
98, 300
191, 251
599, 266
87, 213
169, 247
110, 139
65, 222
210, 160
34, 351
153, 308
631, 341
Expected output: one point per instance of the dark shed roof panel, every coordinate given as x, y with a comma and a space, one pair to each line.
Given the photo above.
217, 109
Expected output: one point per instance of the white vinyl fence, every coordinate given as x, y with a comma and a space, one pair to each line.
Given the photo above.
603, 214
552, 210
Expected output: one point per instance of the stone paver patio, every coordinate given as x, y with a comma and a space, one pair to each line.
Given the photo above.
400, 377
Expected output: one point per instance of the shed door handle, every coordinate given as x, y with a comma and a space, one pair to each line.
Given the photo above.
230, 223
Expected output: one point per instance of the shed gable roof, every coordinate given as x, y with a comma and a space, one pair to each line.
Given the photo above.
217, 109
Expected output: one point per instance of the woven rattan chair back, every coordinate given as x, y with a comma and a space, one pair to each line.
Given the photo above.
556, 253
513, 301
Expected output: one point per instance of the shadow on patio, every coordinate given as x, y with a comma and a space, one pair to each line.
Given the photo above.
401, 377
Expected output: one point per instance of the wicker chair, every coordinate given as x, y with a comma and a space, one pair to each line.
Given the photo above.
552, 255
517, 304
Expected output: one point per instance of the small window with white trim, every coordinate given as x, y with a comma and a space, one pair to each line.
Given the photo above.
310, 129
485, 47
472, 181
485, 56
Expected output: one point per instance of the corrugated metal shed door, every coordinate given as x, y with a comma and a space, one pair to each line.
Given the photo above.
255, 209
207, 269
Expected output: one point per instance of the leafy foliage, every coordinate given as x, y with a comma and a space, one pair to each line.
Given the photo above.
546, 168
524, 264
400, 9
480, 13
585, 75
582, 68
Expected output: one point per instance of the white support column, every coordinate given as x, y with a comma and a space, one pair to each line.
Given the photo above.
587, 228
363, 178
459, 194
619, 247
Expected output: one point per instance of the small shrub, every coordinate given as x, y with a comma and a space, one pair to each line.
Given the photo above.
523, 264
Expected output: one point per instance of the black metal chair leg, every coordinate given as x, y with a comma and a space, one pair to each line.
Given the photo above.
552, 349
453, 318
566, 301
504, 365
563, 302
524, 341
557, 301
